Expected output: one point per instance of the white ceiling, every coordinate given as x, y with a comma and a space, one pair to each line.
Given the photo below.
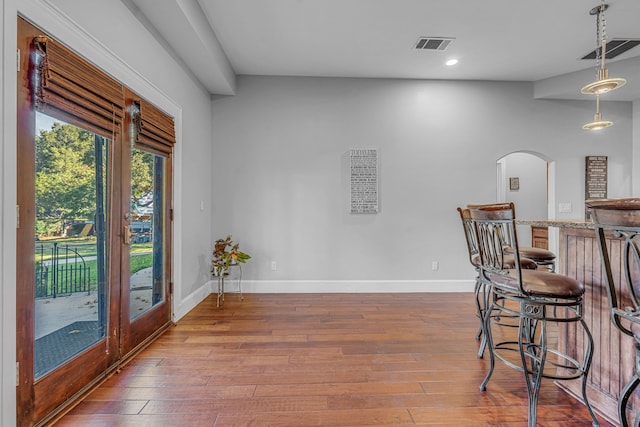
514, 40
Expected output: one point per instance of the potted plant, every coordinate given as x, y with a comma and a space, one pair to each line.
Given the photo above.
225, 254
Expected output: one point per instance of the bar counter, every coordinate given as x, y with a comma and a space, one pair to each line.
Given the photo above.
613, 359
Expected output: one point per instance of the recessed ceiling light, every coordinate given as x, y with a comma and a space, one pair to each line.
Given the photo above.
451, 62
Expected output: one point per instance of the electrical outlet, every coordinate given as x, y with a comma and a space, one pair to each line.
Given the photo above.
274, 266
564, 207
434, 265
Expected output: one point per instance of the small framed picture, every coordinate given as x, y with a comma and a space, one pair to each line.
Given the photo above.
514, 183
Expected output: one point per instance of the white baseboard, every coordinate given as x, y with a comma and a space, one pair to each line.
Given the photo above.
187, 304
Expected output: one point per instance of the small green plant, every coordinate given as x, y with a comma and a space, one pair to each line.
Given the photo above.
225, 254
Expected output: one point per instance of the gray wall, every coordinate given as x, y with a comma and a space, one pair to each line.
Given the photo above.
531, 197
281, 187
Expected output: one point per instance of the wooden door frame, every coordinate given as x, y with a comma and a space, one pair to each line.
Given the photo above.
136, 333
25, 271
37, 399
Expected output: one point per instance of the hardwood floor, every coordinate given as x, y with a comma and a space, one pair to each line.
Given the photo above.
321, 360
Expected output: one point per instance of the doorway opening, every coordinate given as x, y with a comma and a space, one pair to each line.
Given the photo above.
527, 178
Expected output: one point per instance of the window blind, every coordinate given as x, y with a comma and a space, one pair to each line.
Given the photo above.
155, 129
71, 89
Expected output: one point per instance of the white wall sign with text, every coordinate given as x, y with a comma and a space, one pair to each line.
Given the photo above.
364, 181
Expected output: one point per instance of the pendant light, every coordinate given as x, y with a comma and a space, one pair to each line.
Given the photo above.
603, 84
597, 122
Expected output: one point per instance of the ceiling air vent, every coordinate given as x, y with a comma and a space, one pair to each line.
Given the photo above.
433, 43
614, 48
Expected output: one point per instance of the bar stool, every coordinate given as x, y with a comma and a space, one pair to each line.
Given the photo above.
535, 298
622, 217
542, 257
481, 287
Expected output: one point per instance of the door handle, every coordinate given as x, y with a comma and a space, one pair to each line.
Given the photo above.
127, 234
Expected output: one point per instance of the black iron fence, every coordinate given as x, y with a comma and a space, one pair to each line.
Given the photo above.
61, 270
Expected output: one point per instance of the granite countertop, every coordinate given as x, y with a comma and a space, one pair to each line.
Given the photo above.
573, 223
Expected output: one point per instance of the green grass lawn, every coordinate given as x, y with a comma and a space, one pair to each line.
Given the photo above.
80, 253
140, 262
137, 263
86, 247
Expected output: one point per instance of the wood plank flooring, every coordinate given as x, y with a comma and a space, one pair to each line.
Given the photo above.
321, 360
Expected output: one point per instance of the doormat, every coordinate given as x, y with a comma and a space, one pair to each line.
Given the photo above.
55, 348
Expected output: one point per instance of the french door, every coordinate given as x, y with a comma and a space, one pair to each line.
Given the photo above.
145, 256
93, 245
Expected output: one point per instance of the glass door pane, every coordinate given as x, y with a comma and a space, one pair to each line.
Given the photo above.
70, 242
146, 231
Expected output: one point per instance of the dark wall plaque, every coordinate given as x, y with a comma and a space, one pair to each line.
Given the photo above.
595, 184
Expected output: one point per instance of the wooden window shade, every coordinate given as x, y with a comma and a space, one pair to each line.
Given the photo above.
155, 129
71, 89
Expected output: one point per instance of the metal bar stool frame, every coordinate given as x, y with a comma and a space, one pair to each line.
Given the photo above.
480, 288
622, 218
483, 284
535, 298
